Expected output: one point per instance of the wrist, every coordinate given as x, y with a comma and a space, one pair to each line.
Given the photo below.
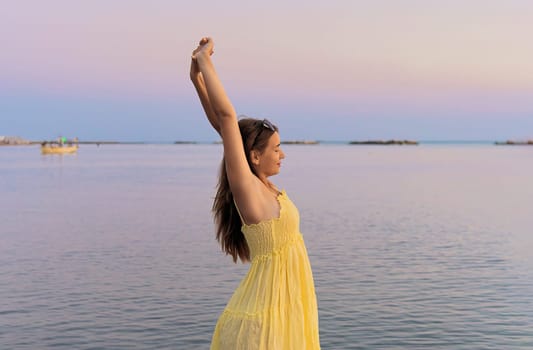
202, 56
196, 77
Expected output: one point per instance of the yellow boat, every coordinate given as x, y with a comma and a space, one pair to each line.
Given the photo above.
56, 149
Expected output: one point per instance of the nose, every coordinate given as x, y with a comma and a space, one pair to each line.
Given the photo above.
282, 155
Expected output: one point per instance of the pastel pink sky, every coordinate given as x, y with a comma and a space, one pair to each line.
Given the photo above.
424, 69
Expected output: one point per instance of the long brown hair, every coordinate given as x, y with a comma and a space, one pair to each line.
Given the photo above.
228, 223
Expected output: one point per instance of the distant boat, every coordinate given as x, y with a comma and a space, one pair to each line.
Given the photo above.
57, 149
61, 146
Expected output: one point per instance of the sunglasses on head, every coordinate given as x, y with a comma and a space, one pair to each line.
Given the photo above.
267, 124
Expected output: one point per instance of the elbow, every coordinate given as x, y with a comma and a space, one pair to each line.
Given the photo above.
226, 122
225, 116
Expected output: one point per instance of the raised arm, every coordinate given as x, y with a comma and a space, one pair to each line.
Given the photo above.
199, 84
223, 117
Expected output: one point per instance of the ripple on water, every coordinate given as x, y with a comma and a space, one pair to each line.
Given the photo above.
409, 249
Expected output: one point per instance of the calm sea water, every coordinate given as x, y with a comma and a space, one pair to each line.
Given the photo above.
411, 247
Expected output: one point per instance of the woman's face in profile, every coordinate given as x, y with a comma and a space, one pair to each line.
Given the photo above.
271, 157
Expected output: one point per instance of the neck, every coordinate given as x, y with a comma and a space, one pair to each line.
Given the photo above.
268, 184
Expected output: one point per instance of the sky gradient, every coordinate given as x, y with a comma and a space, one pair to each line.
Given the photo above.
336, 70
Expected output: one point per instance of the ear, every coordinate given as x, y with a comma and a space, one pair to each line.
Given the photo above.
254, 156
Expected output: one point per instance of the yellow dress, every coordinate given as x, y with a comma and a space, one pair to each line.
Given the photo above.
274, 307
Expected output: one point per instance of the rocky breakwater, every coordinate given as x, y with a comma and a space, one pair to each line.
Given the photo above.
514, 143
385, 142
299, 142
13, 141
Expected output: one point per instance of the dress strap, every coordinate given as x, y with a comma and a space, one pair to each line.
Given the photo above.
238, 211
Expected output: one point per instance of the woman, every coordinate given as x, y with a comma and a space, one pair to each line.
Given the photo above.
274, 307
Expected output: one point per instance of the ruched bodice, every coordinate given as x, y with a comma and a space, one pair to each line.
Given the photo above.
271, 236
274, 306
